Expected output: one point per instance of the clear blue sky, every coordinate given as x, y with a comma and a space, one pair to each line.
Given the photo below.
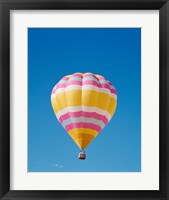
114, 53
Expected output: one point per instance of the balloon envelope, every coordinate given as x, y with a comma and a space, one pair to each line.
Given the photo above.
83, 104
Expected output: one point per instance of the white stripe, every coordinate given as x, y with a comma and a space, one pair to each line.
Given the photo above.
85, 87
91, 78
62, 81
75, 78
85, 109
75, 120
86, 78
112, 87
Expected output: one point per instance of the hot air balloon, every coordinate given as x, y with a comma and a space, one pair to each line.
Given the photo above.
83, 104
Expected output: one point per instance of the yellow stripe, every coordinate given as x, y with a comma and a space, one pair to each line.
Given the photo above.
83, 130
82, 137
85, 98
59, 102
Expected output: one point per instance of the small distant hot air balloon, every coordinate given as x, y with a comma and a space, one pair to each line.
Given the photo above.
83, 104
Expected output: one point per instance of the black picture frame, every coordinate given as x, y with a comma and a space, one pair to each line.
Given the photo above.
5, 7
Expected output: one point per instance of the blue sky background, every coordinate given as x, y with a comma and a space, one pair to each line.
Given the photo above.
114, 53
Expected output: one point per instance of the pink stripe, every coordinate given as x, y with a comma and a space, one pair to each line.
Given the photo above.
107, 86
88, 82
78, 75
74, 82
53, 91
84, 114
64, 85
109, 83
113, 91
61, 85
88, 74
85, 75
83, 125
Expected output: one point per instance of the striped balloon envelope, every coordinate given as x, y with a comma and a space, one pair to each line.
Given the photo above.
83, 104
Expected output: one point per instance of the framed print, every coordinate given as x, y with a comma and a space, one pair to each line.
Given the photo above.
84, 99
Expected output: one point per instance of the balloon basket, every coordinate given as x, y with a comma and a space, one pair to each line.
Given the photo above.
82, 155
